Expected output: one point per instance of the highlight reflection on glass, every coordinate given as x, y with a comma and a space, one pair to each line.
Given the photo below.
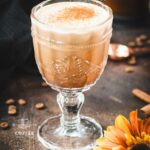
71, 42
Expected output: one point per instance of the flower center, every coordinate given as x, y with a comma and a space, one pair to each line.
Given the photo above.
141, 146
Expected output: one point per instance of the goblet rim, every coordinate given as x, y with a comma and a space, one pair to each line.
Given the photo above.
47, 26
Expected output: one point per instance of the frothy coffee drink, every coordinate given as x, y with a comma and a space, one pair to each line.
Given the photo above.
71, 43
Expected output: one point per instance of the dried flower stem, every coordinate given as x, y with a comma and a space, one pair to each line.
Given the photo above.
141, 95
146, 109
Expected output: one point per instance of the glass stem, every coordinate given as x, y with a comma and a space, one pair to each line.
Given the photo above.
70, 104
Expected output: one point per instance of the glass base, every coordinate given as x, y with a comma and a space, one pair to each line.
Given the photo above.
56, 137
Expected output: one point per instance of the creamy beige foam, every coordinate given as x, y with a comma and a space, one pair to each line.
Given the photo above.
72, 15
71, 43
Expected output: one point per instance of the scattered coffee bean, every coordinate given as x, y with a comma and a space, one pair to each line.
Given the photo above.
132, 61
10, 107
143, 37
44, 84
10, 101
4, 125
21, 101
40, 106
139, 42
132, 44
12, 111
129, 69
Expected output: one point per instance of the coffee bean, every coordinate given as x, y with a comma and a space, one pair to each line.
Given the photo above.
132, 61
132, 44
129, 69
21, 101
143, 37
40, 106
12, 111
4, 125
10, 101
10, 107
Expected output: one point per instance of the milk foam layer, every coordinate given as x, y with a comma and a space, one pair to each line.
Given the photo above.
86, 15
89, 30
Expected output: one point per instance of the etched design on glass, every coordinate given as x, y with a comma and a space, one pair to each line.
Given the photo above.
72, 70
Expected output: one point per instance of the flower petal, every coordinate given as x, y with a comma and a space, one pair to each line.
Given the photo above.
122, 123
148, 130
134, 123
119, 148
130, 140
101, 148
107, 144
118, 135
140, 122
146, 125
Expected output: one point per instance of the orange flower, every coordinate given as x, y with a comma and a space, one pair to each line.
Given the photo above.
133, 134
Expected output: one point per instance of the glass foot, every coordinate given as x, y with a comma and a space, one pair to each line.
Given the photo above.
56, 137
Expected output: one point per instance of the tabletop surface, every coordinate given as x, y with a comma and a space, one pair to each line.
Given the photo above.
112, 95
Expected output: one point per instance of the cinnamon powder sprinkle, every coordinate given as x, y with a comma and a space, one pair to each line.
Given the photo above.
74, 13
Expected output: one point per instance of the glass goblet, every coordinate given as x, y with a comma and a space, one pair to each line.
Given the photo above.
70, 60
